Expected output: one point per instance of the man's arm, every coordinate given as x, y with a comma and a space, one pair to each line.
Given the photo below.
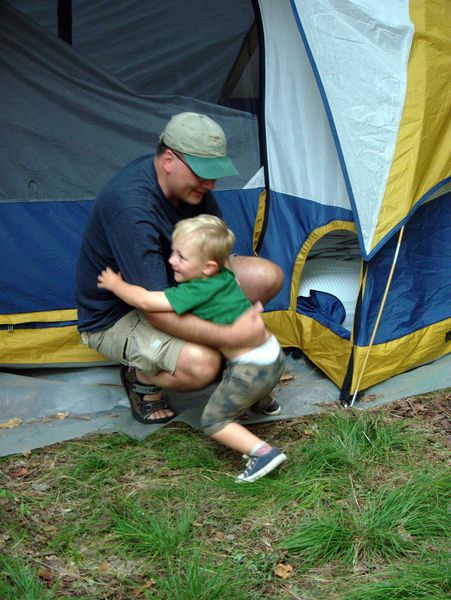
247, 331
133, 294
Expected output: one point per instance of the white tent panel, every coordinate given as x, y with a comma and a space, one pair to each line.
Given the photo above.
256, 181
302, 157
361, 50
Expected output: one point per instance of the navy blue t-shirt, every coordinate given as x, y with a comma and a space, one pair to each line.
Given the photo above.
129, 230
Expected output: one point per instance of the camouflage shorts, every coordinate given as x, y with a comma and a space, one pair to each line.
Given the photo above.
242, 386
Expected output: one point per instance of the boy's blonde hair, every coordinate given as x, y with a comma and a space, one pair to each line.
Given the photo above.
214, 238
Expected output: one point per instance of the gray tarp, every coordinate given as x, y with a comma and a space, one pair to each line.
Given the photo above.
54, 405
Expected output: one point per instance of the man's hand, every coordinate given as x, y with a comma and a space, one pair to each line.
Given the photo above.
248, 330
108, 279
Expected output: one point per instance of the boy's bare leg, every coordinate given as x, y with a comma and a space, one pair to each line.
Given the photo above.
263, 458
236, 437
260, 279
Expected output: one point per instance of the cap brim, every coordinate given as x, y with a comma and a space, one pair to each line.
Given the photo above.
211, 168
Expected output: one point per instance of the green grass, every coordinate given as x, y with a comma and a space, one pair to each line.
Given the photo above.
385, 524
429, 580
358, 511
153, 532
199, 577
349, 443
20, 581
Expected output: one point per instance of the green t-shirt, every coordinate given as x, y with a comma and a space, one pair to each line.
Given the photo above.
218, 299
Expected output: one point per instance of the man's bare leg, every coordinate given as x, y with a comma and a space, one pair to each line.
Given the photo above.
197, 367
260, 279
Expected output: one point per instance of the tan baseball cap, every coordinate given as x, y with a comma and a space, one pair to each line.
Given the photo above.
202, 143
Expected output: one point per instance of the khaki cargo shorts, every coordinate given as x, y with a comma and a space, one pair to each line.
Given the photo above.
134, 342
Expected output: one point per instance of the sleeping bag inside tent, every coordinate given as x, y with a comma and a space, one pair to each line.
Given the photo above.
338, 118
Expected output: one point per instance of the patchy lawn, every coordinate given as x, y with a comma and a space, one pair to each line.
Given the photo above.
358, 511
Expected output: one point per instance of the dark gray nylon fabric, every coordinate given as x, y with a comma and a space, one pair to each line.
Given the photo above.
67, 124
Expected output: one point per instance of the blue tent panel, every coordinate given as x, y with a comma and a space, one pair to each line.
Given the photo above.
421, 287
38, 253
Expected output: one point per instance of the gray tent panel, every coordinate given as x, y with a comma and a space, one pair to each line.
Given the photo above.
67, 125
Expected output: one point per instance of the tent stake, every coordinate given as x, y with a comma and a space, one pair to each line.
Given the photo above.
376, 326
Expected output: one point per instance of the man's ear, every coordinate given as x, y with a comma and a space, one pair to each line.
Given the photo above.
167, 159
211, 267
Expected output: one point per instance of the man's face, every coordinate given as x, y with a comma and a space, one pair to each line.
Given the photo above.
186, 260
185, 184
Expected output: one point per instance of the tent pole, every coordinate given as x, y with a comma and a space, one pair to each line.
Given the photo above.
64, 13
376, 326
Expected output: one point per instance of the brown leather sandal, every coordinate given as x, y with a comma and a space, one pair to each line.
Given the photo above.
142, 409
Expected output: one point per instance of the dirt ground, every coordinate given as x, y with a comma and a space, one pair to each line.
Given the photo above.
431, 410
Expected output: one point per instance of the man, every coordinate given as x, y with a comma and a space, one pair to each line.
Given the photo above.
130, 230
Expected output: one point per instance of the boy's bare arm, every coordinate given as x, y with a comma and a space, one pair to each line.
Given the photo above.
246, 332
133, 294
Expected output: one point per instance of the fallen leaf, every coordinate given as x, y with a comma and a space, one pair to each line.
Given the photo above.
104, 567
15, 422
283, 571
144, 587
287, 377
46, 575
62, 415
20, 472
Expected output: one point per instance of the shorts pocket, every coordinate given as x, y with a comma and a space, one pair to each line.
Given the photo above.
112, 342
110, 347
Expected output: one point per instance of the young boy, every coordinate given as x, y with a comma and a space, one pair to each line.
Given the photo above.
201, 247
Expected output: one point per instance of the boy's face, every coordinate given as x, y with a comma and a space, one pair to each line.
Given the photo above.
187, 262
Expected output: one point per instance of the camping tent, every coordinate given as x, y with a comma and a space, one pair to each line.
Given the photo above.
351, 200
357, 136
68, 124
